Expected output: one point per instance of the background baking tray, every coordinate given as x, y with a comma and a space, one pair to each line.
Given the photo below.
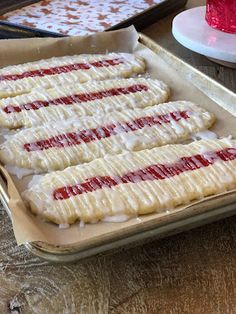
140, 20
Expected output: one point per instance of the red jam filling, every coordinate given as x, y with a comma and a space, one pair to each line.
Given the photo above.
75, 99
153, 172
61, 69
89, 135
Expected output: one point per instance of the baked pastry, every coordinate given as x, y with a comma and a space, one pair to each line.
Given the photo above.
20, 79
59, 145
78, 100
135, 183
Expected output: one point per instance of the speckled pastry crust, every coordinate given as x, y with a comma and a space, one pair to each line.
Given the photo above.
22, 78
56, 146
80, 100
135, 183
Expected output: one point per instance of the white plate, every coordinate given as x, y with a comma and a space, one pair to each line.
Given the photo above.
192, 31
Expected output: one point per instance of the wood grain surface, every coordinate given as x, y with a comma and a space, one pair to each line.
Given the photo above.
193, 272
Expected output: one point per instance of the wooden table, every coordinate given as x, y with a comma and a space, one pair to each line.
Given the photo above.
193, 272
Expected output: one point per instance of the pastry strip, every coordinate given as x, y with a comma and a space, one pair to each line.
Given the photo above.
57, 146
78, 100
20, 79
136, 183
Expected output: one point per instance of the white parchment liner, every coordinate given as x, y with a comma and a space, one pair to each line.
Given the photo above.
27, 227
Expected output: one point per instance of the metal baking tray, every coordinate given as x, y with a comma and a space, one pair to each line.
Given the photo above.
169, 224
140, 20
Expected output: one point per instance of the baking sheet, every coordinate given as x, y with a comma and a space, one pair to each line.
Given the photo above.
28, 228
75, 17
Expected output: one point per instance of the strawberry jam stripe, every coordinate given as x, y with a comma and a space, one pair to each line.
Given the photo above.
89, 135
62, 69
150, 173
75, 99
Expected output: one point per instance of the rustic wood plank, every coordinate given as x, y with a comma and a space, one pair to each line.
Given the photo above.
193, 272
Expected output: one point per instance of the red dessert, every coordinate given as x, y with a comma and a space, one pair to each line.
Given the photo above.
153, 172
221, 14
73, 99
61, 69
89, 135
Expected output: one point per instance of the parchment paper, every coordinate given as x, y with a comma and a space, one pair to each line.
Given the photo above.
27, 227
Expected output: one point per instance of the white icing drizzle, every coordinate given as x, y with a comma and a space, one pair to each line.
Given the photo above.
116, 218
177, 127
229, 140
81, 224
19, 172
157, 92
130, 140
126, 136
205, 135
35, 180
131, 64
6, 132
137, 197
64, 226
